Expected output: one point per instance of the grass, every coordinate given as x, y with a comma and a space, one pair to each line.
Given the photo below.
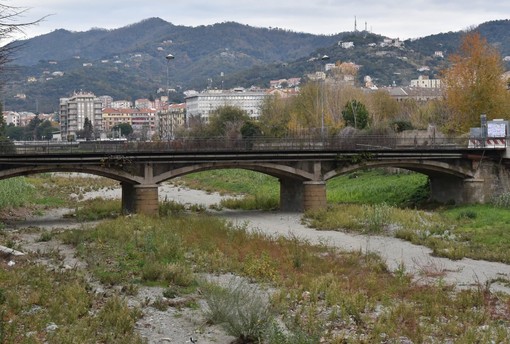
41, 306
259, 191
320, 292
15, 192
262, 192
376, 201
378, 186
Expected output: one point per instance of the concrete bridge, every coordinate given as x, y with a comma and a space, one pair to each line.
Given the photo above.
457, 173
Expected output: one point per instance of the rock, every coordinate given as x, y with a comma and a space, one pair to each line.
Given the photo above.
51, 327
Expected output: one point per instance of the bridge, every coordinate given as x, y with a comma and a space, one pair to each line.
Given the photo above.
303, 166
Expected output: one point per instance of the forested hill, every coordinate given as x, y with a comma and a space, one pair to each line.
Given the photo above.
129, 62
192, 43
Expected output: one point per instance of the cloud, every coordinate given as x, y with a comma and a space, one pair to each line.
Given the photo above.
393, 18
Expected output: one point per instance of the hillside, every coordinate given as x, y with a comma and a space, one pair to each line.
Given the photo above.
129, 62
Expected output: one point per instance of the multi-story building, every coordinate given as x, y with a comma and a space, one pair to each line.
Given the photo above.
113, 117
74, 111
419, 94
425, 82
201, 105
122, 104
143, 122
144, 104
169, 120
106, 101
13, 118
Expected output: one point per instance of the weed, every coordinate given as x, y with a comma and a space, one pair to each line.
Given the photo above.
97, 209
167, 208
242, 309
467, 214
170, 293
502, 200
160, 304
45, 236
376, 218
179, 275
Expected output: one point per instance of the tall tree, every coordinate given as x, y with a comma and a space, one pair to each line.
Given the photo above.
474, 85
275, 116
355, 114
227, 121
125, 129
88, 129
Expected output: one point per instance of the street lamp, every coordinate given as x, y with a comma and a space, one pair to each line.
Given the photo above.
323, 58
168, 135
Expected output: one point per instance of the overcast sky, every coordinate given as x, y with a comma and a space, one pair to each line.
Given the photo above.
393, 18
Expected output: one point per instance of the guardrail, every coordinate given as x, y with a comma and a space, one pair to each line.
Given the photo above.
354, 143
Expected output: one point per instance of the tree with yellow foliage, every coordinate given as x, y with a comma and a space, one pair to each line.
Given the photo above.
474, 85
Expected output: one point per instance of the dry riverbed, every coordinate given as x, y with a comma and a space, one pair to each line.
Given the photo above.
181, 324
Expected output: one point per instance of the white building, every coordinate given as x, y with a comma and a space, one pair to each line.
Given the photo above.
13, 118
106, 101
75, 109
122, 104
202, 104
425, 82
346, 45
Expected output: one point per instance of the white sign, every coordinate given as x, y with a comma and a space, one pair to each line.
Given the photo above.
496, 129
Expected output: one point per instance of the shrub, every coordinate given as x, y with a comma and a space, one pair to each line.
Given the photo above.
376, 217
242, 309
502, 200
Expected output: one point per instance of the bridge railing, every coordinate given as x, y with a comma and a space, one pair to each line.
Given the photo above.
353, 143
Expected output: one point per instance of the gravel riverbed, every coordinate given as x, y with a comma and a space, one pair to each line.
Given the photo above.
182, 325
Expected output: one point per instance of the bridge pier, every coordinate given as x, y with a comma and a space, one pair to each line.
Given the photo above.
314, 197
140, 199
298, 196
291, 195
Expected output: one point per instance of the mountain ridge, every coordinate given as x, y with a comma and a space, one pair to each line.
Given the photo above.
129, 62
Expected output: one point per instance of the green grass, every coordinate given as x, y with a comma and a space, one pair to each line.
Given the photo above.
15, 192
377, 186
262, 191
479, 232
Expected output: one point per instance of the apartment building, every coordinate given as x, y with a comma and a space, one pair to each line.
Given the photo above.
113, 117
170, 119
201, 105
143, 122
75, 109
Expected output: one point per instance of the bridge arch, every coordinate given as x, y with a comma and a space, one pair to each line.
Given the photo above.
427, 167
118, 175
274, 170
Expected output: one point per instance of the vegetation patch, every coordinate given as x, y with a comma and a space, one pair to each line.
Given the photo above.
320, 292
41, 306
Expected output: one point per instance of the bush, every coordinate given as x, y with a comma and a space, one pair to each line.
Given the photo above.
401, 125
377, 217
502, 201
242, 309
